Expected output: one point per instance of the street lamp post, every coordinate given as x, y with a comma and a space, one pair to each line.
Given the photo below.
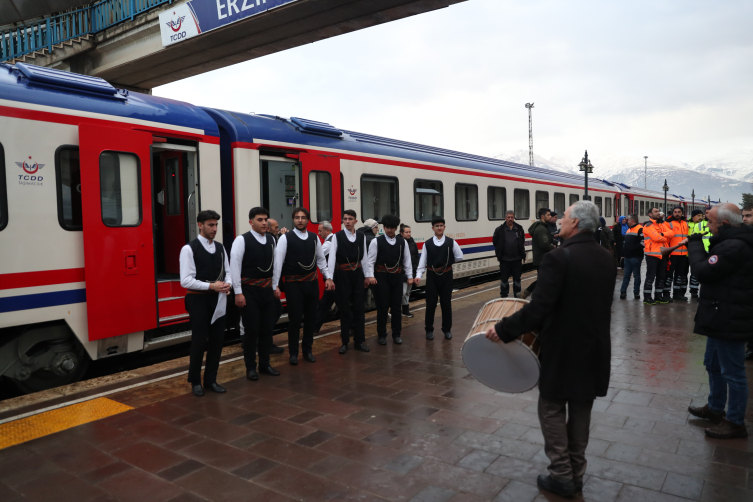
692, 205
666, 189
708, 198
586, 167
645, 170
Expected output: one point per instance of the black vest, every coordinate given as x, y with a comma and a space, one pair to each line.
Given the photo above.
439, 256
258, 259
348, 252
300, 257
390, 256
209, 267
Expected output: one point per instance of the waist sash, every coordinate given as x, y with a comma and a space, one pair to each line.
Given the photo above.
311, 276
262, 283
385, 270
347, 267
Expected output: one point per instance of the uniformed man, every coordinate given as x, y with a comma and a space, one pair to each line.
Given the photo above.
677, 279
696, 217
252, 260
439, 254
298, 255
388, 259
655, 236
328, 298
701, 227
347, 256
204, 272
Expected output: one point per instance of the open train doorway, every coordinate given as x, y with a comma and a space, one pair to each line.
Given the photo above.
281, 183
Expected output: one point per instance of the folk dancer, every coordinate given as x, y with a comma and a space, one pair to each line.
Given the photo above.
436, 261
347, 255
388, 259
298, 255
204, 272
251, 263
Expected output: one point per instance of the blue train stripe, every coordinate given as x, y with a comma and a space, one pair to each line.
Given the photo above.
40, 300
480, 249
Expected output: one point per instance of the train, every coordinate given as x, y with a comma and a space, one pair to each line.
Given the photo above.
100, 188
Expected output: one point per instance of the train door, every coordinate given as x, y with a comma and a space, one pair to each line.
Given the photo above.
281, 181
322, 189
116, 199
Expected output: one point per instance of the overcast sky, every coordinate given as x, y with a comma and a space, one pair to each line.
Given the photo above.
659, 78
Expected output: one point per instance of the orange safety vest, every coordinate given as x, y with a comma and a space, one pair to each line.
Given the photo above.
680, 231
655, 237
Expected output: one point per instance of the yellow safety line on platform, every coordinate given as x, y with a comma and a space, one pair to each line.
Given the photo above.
43, 424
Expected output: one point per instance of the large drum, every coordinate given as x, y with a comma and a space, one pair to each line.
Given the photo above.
506, 367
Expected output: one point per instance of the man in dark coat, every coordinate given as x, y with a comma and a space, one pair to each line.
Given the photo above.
509, 246
725, 316
541, 243
575, 355
405, 232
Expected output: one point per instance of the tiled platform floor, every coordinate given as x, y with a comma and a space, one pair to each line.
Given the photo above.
403, 423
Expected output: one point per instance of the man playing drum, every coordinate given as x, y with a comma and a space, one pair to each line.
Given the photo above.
575, 355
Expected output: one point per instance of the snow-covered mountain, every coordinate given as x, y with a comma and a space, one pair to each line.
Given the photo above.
724, 177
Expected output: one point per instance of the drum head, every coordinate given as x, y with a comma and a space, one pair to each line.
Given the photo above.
506, 367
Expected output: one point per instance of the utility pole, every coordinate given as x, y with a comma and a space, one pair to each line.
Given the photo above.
645, 170
530, 134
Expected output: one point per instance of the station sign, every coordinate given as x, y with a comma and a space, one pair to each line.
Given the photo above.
192, 18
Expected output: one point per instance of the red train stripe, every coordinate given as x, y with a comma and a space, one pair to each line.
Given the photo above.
43, 278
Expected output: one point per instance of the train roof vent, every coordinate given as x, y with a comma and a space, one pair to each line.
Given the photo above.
314, 127
59, 78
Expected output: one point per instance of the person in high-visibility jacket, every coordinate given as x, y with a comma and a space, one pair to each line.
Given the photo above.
695, 226
656, 235
677, 278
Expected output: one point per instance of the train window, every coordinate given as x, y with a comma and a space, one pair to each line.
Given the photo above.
608, 207
642, 213
3, 192
428, 199
496, 200
627, 206
574, 198
522, 202
597, 201
378, 197
120, 189
542, 200
68, 181
466, 202
320, 196
172, 185
559, 204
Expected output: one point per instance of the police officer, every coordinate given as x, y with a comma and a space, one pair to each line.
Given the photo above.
655, 237
204, 272
387, 261
436, 261
701, 226
252, 260
298, 255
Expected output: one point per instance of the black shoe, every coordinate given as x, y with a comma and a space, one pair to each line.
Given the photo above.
681, 298
269, 370
578, 486
274, 349
668, 299
647, 300
430, 335
293, 359
406, 311
749, 355
637, 297
382, 340
252, 375
343, 349
623, 295
362, 347
563, 488
727, 430
447, 335
198, 390
706, 413
397, 340
309, 357
215, 387
661, 299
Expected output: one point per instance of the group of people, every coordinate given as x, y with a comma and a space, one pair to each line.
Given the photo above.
267, 261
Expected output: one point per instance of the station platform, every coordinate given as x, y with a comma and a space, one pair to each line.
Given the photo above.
401, 423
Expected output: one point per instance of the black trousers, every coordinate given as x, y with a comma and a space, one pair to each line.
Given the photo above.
325, 308
509, 268
656, 270
438, 286
389, 296
303, 303
204, 336
349, 292
677, 279
259, 319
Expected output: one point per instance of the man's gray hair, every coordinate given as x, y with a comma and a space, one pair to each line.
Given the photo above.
510, 211
587, 215
730, 213
326, 225
633, 217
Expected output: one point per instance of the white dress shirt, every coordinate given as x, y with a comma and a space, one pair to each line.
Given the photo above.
188, 274
236, 257
282, 251
437, 242
333, 251
327, 244
368, 268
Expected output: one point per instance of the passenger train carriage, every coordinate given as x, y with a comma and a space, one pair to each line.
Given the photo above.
100, 188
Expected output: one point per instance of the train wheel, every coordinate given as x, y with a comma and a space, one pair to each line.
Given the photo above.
44, 356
